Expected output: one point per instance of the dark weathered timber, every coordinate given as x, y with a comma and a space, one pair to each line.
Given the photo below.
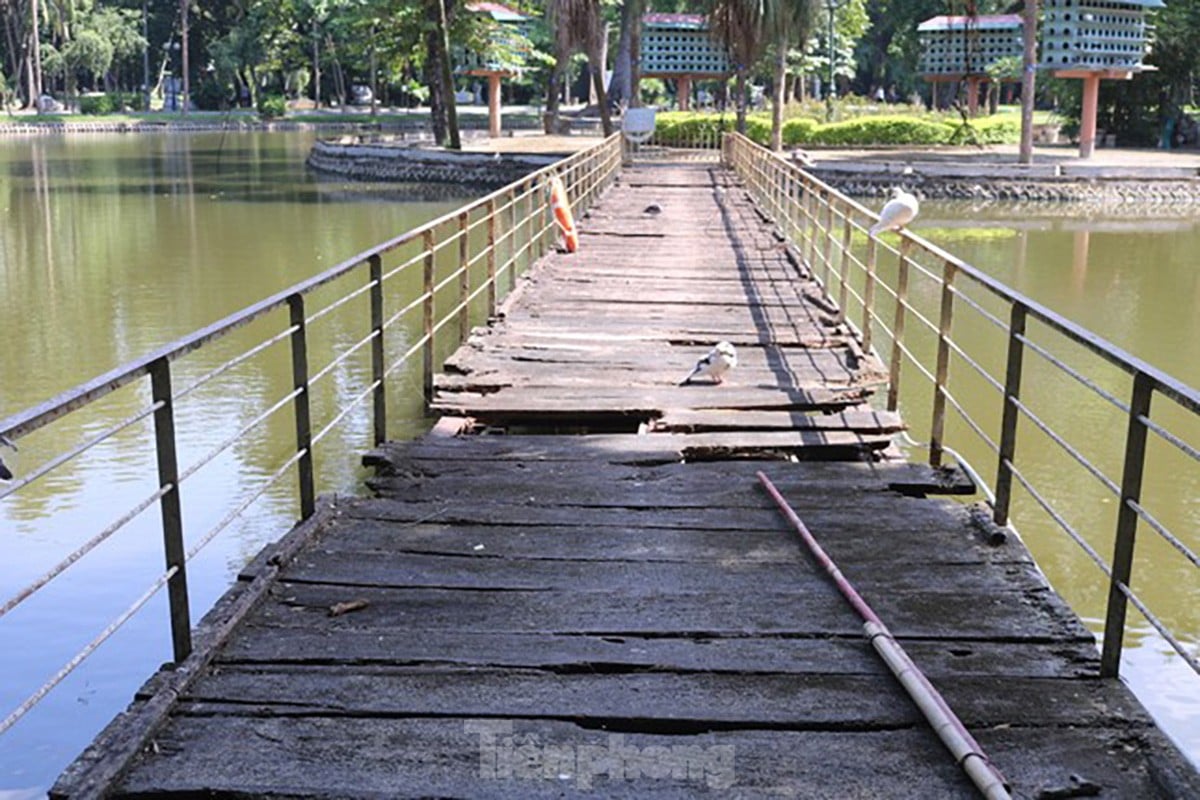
587, 593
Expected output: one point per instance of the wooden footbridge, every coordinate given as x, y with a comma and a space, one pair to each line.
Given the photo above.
575, 584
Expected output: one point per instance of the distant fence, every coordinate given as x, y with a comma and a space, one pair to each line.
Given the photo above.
460, 263
936, 321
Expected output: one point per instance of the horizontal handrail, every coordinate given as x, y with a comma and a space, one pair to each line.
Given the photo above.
809, 212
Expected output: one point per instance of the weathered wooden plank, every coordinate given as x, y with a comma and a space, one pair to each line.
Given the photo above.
696, 420
555, 759
642, 402
689, 700
480, 570
934, 546
566, 654
816, 610
430, 458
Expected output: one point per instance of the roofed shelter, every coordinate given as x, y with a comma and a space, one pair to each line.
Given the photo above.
1094, 40
961, 48
681, 47
506, 56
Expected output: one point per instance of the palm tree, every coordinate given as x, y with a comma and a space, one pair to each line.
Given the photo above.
788, 22
738, 24
577, 25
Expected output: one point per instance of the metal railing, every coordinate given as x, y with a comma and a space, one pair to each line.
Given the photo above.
467, 260
947, 322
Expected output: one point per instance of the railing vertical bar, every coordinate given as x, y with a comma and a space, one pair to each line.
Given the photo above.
302, 406
829, 237
491, 258
897, 358
464, 279
1011, 414
378, 357
810, 224
514, 233
945, 321
429, 241
1127, 520
869, 295
844, 286
171, 509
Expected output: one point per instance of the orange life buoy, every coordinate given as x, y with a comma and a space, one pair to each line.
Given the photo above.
562, 213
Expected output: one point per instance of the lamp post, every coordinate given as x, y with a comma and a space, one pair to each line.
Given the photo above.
832, 6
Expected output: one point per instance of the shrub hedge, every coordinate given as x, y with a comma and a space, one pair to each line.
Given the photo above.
691, 127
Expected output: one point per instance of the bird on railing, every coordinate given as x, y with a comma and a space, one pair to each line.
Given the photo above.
897, 212
5, 472
720, 360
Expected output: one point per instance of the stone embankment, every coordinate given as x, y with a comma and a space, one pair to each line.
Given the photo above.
1069, 182
387, 160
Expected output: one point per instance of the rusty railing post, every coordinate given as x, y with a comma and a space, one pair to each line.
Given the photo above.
464, 279
378, 366
897, 358
169, 504
869, 294
1127, 520
937, 425
1010, 416
513, 235
427, 307
491, 258
844, 286
301, 403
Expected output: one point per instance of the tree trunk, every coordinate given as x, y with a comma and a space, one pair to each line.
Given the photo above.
1028, 77
187, 91
622, 84
35, 58
447, 77
739, 100
597, 51
433, 71
316, 60
779, 92
374, 75
553, 90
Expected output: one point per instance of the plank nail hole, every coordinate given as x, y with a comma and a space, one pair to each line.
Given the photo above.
961, 652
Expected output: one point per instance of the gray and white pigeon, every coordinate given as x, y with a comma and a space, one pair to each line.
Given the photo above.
720, 360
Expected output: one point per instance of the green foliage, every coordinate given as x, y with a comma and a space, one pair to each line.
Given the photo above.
882, 130
272, 106
681, 128
89, 52
654, 91
799, 130
98, 104
998, 129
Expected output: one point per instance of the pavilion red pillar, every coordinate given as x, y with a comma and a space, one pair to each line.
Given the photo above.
494, 117
1087, 121
683, 88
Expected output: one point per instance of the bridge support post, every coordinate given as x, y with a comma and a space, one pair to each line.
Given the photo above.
937, 426
1127, 519
172, 515
897, 357
378, 366
1008, 423
308, 495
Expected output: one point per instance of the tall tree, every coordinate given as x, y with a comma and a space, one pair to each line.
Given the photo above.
623, 88
577, 25
739, 25
790, 22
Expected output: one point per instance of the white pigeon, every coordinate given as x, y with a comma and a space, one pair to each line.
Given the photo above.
720, 360
898, 212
